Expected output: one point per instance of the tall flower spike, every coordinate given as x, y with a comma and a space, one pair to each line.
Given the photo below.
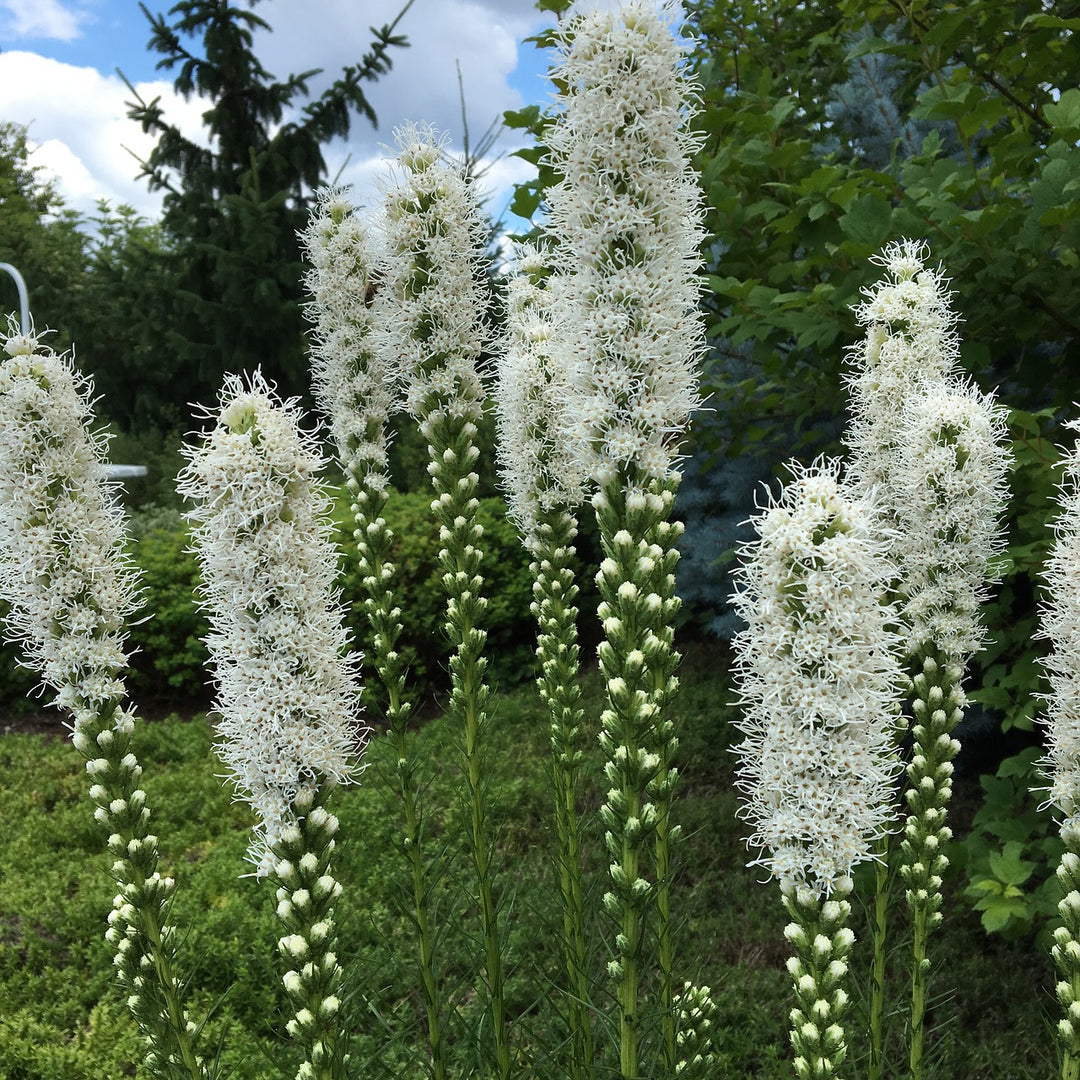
625, 222
544, 483
625, 226
1061, 624
287, 690
910, 339
70, 586
434, 309
817, 671
357, 382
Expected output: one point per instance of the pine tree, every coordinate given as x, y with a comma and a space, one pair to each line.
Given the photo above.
233, 204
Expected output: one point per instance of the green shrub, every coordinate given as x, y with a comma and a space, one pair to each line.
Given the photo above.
170, 658
422, 599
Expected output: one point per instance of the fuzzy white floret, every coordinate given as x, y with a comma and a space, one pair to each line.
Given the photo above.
63, 567
431, 303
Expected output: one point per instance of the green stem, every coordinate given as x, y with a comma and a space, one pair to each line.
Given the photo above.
453, 453
557, 651
374, 540
882, 880
920, 966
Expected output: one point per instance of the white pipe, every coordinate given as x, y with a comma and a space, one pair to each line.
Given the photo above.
24, 302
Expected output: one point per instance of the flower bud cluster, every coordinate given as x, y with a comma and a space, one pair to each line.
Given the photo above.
540, 472
817, 671
625, 222
434, 244
695, 1014
1066, 952
822, 941
638, 604
355, 381
287, 691
306, 892
938, 704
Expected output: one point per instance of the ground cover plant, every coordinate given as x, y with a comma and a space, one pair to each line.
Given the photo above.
860, 599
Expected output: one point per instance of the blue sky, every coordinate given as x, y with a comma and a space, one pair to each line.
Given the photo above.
58, 60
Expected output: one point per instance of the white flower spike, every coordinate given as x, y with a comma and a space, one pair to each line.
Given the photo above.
288, 692
625, 223
818, 673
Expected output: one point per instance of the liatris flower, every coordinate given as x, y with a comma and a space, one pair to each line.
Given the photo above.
910, 339
625, 221
1061, 624
625, 226
930, 447
949, 491
1060, 619
355, 383
287, 691
288, 695
434, 304
434, 238
817, 670
541, 474
544, 484
70, 585
65, 572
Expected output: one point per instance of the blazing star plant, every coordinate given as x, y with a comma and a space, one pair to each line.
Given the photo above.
818, 673
434, 257
70, 585
544, 484
932, 448
288, 691
1061, 624
625, 226
358, 383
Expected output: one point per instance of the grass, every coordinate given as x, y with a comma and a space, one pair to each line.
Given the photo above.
61, 1012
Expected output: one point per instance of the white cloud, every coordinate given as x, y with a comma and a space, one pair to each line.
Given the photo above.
42, 19
78, 116
78, 124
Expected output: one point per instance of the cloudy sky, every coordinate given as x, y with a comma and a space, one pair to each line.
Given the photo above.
58, 61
